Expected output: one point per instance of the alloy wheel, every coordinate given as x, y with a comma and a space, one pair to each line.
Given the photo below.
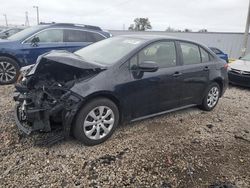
213, 96
99, 122
7, 72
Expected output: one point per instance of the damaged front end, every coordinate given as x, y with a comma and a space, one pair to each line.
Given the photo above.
43, 95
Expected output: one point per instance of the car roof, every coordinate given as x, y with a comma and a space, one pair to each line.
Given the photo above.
72, 25
148, 37
152, 38
157, 37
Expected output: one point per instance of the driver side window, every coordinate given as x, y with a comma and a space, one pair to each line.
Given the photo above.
163, 53
52, 35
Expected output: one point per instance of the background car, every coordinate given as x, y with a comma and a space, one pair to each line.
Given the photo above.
239, 71
125, 78
220, 54
24, 47
9, 32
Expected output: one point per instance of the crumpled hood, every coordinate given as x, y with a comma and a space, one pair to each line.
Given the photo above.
67, 58
241, 65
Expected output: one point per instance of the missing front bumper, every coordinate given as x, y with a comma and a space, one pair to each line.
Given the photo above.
30, 117
23, 127
29, 121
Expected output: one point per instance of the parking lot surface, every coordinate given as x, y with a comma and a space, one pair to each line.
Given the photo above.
189, 148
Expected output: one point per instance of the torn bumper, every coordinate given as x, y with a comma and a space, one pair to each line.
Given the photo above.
37, 115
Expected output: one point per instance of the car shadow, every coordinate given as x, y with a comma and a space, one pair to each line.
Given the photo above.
238, 87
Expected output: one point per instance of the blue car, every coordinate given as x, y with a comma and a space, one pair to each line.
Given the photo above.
23, 48
220, 54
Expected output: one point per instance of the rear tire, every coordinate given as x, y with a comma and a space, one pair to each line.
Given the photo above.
96, 121
212, 97
9, 70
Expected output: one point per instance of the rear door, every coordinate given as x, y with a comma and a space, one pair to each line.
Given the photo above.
195, 72
158, 91
76, 39
49, 39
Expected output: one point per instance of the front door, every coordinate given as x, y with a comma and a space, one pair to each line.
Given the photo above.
50, 39
158, 91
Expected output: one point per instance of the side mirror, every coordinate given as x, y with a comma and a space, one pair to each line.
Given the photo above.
7, 34
35, 41
148, 66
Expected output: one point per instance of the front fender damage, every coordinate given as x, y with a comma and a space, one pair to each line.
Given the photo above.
45, 101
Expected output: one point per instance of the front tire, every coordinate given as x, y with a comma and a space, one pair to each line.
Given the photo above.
96, 121
9, 70
212, 97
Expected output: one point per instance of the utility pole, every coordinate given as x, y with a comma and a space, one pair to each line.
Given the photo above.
244, 48
6, 21
27, 23
37, 13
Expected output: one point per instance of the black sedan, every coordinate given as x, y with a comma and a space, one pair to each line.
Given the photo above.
121, 79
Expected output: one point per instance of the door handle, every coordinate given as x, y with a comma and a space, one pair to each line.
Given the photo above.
206, 68
176, 74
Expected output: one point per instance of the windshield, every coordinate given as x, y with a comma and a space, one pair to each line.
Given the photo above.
110, 50
3, 31
246, 58
25, 33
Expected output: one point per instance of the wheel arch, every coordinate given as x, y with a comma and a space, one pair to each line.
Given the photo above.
108, 95
10, 56
219, 81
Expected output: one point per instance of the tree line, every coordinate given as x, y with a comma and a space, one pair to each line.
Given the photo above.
143, 24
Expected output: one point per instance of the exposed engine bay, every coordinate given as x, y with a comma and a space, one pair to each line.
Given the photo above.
43, 96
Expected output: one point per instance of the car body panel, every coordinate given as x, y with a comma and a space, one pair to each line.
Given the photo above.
136, 95
239, 73
242, 65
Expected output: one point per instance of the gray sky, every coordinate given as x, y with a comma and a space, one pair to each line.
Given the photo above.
214, 15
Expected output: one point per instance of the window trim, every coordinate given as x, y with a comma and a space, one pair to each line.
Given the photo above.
209, 54
62, 28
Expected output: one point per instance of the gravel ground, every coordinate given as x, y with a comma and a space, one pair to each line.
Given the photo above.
189, 148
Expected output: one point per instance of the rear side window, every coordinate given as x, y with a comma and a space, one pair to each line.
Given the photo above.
81, 36
191, 53
75, 36
204, 55
94, 37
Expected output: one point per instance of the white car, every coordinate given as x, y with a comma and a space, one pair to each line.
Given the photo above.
239, 71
